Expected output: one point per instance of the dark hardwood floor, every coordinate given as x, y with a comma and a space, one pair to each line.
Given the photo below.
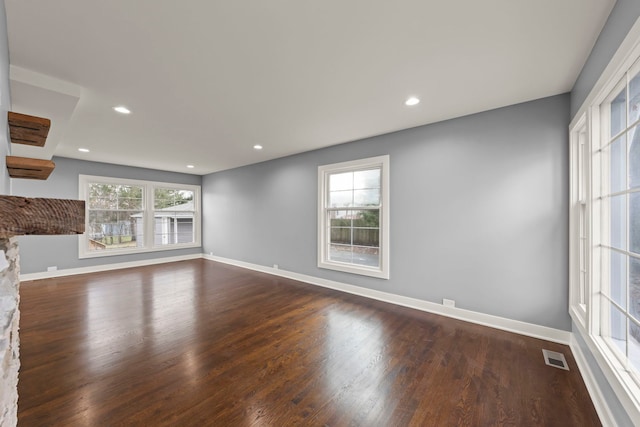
198, 343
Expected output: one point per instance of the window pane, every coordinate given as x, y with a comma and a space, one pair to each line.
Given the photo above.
341, 198
355, 236
618, 289
367, 218
172, 228
129, 197
102, 196
341, 235
339, 218
618, 164
619, 112
366, 256
355, 255
634, 222
167, 197
340, 253
173, 217
617, 328
366, 179
366, 237
634, 98
114, 229
618, 222
115, 197
341, 181
366, 197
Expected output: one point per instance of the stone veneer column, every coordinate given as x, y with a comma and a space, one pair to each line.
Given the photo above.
9, 341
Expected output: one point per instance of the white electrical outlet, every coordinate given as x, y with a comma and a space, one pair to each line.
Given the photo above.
448, 302
54, 268
210, 253
275, 266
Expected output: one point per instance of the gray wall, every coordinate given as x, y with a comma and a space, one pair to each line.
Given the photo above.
479, 209
622, 17
39, 252
5, 102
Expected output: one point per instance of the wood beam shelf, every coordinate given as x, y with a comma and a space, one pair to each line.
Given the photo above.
28, 130
24, 167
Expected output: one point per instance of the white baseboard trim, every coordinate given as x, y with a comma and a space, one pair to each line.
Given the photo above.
600, 403
105, 267
523, 328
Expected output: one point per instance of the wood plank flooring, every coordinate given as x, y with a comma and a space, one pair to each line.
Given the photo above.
198, 343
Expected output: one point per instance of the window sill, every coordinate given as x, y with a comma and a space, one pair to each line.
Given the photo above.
350, 268
85, 255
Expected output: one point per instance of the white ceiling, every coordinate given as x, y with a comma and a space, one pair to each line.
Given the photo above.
206, 80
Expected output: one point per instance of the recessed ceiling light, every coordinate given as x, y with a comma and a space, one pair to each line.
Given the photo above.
257, 147
83, 150
122, 110
190, 166
412, 101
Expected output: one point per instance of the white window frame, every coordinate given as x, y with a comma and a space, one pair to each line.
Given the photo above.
580, 190
148, 214
324, 172
589, 322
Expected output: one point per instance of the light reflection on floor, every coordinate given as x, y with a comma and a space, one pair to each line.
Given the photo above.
356, 383
110, 336
138, 324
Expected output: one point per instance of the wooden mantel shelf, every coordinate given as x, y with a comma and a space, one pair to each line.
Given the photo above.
22, 215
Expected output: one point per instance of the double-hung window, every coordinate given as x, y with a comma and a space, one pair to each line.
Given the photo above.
605, 224
619, 211
128, 216
353, 219
579, 249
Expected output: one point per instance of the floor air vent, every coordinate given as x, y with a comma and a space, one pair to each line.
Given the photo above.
555, 359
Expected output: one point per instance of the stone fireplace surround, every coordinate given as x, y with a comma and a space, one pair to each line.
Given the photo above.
19, 216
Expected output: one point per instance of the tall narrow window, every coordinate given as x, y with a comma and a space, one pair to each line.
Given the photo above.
579, 249
605, 223
619, 157
353, 226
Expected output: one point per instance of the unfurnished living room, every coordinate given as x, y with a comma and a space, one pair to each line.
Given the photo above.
320, 213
